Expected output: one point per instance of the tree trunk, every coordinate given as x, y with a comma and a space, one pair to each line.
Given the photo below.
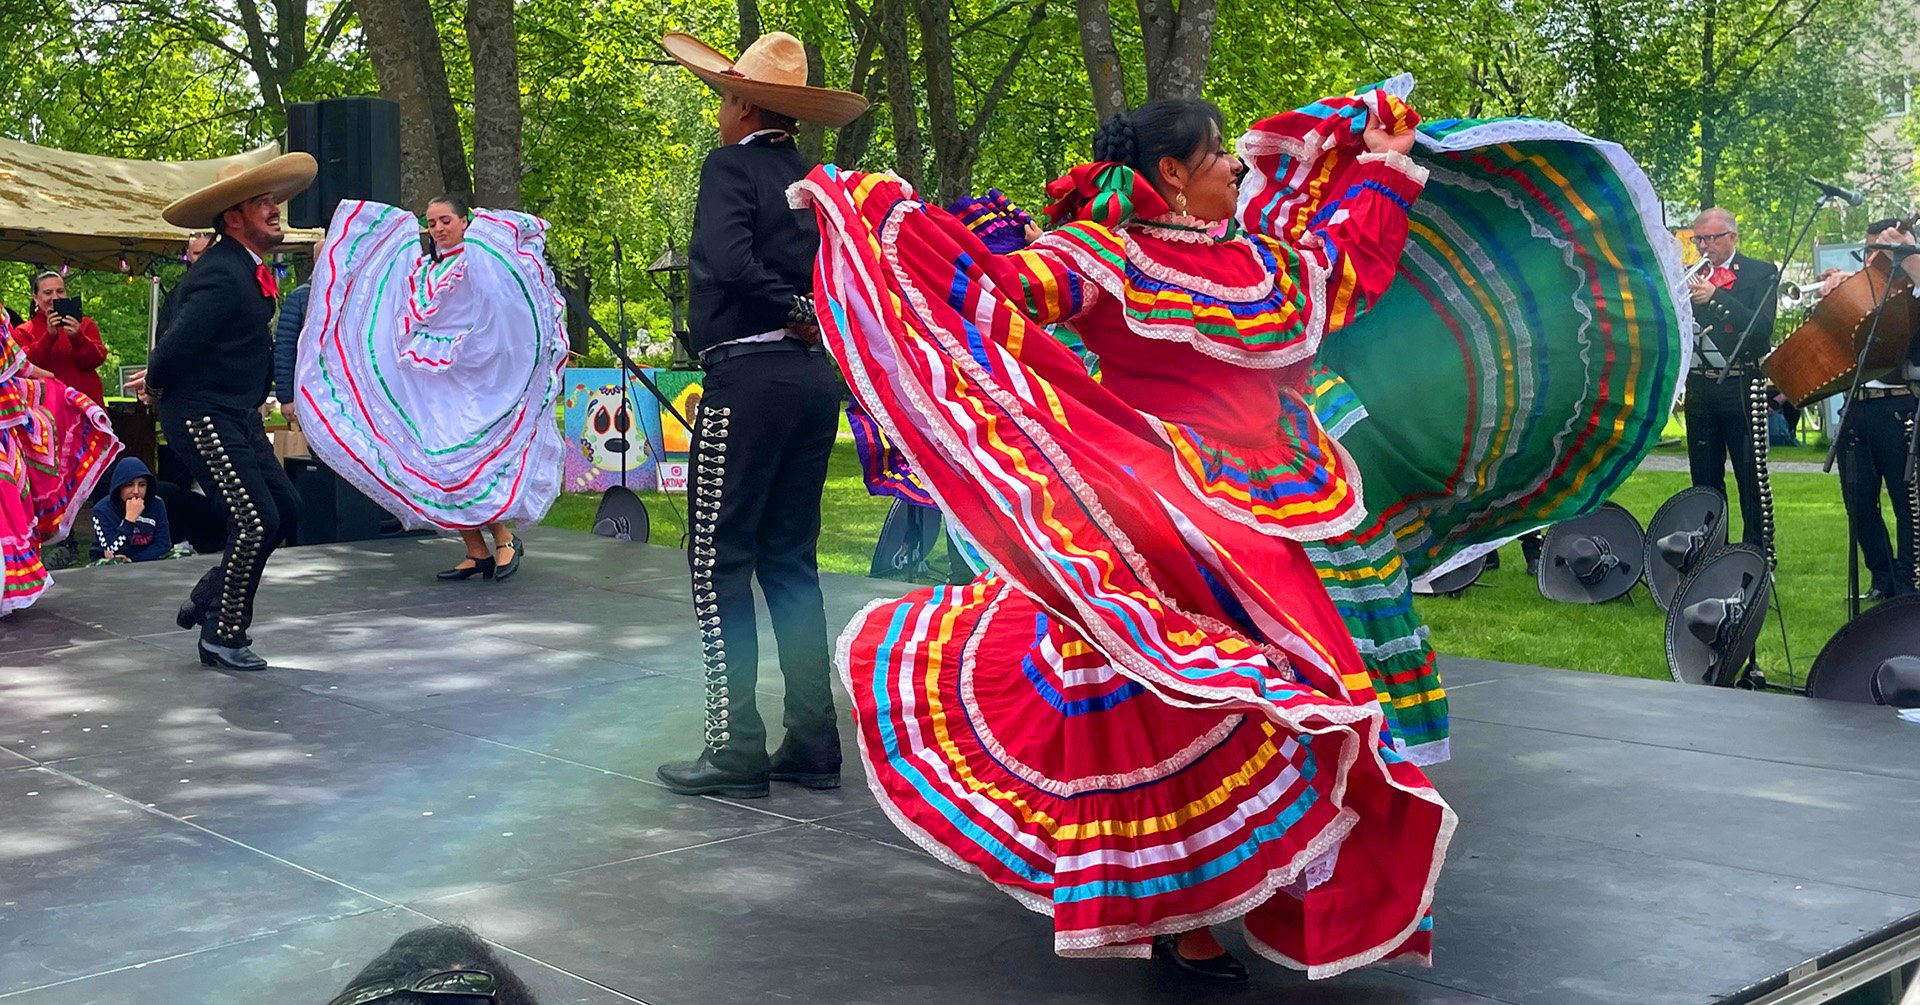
449, 147
952, 158
850, 141
1102, 57
1179, 43
1709, 107
813, 136
497, 155
909, 156
749, 11
396, 65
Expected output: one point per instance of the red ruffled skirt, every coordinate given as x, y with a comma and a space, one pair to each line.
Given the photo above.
1149, 717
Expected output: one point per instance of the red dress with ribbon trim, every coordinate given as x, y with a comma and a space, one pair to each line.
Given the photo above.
1148, 717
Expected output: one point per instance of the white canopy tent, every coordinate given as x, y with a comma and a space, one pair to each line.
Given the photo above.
63, 209
86, 212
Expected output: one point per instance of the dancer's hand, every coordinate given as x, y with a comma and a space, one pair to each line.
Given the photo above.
137, 383
1379, 140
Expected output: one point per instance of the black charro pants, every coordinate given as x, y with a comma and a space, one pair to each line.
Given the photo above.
230, 457
764, 435
1875, 455
1720, 426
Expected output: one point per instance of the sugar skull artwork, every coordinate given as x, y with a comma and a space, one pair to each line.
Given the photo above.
604, 429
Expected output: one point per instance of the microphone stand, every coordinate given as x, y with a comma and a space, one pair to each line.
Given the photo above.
626, 406
1773, 292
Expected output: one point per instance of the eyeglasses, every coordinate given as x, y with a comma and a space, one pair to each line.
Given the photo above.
463, 983
1704, 238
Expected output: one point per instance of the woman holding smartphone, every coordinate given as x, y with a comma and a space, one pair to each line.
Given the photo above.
61, 341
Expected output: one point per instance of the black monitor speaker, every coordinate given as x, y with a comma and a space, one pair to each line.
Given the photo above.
332, 510
357, 142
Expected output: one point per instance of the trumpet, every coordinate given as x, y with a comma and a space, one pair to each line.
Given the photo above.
1698, 270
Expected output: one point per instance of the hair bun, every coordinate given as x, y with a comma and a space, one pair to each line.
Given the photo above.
1115, 141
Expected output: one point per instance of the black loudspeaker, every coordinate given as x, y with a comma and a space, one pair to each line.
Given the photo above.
332, 510
357, 142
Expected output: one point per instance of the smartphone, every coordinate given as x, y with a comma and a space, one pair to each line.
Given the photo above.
68, 307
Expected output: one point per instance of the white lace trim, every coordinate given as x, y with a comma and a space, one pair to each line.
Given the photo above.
1179, 227
1099, 272
1137, 255
1399, 162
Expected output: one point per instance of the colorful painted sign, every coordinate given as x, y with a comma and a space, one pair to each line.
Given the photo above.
604, 430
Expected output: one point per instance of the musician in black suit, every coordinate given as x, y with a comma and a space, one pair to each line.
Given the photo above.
210, 371
1734, 304
1873, 449
768, 419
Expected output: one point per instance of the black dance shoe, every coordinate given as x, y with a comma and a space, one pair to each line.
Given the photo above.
1222, 969
482, 566
702, 777
817, 768
190, 616
512, 566
229, 657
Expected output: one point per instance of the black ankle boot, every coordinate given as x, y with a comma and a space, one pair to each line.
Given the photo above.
702, 777
189, 616
1222, 969
811, 765
229, 657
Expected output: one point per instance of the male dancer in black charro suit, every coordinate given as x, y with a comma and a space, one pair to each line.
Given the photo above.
210, 371
1734, 298
768, 418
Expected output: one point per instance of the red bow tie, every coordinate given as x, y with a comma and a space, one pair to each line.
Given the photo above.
1721, 277
268, 288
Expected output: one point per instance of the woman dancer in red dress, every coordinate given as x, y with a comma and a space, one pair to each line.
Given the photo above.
1148, 717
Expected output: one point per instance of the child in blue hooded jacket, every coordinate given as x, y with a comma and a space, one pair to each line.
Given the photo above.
130, 524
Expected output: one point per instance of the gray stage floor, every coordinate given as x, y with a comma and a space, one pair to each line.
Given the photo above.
484, 753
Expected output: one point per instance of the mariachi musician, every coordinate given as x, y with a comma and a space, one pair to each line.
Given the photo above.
1873, 452
1734, 303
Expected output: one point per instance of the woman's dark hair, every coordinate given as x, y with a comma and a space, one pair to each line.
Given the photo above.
1169, 127
460, 207
437, 948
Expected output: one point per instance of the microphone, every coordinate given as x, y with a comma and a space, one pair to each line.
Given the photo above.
1846, 195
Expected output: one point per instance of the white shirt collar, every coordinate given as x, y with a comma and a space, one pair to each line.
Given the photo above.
756, 134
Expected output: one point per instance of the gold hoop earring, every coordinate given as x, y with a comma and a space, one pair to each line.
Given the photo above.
1180, 203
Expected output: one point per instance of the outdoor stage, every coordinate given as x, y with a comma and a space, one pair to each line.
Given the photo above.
484, 753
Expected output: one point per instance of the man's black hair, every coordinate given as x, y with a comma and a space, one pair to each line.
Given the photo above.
438, 948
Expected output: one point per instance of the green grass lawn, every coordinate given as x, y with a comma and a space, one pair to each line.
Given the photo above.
1501, 618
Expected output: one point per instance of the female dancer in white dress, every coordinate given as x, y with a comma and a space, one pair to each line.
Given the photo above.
431, 376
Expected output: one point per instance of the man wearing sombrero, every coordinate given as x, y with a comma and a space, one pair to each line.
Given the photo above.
766, 425
210, 371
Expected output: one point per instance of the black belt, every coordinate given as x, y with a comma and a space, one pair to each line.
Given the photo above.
721, 353
1870, 393
1715, 373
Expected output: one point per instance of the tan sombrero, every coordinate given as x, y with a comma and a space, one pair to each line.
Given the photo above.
772, 73
283, 178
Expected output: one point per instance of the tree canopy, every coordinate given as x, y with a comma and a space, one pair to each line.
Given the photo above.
572, 110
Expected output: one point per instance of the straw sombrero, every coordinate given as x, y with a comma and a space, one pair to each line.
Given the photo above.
283, 178
772, 74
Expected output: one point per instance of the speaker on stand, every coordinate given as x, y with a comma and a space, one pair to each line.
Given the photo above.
357, 143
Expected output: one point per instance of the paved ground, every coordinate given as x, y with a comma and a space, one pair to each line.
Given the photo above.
484, 753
